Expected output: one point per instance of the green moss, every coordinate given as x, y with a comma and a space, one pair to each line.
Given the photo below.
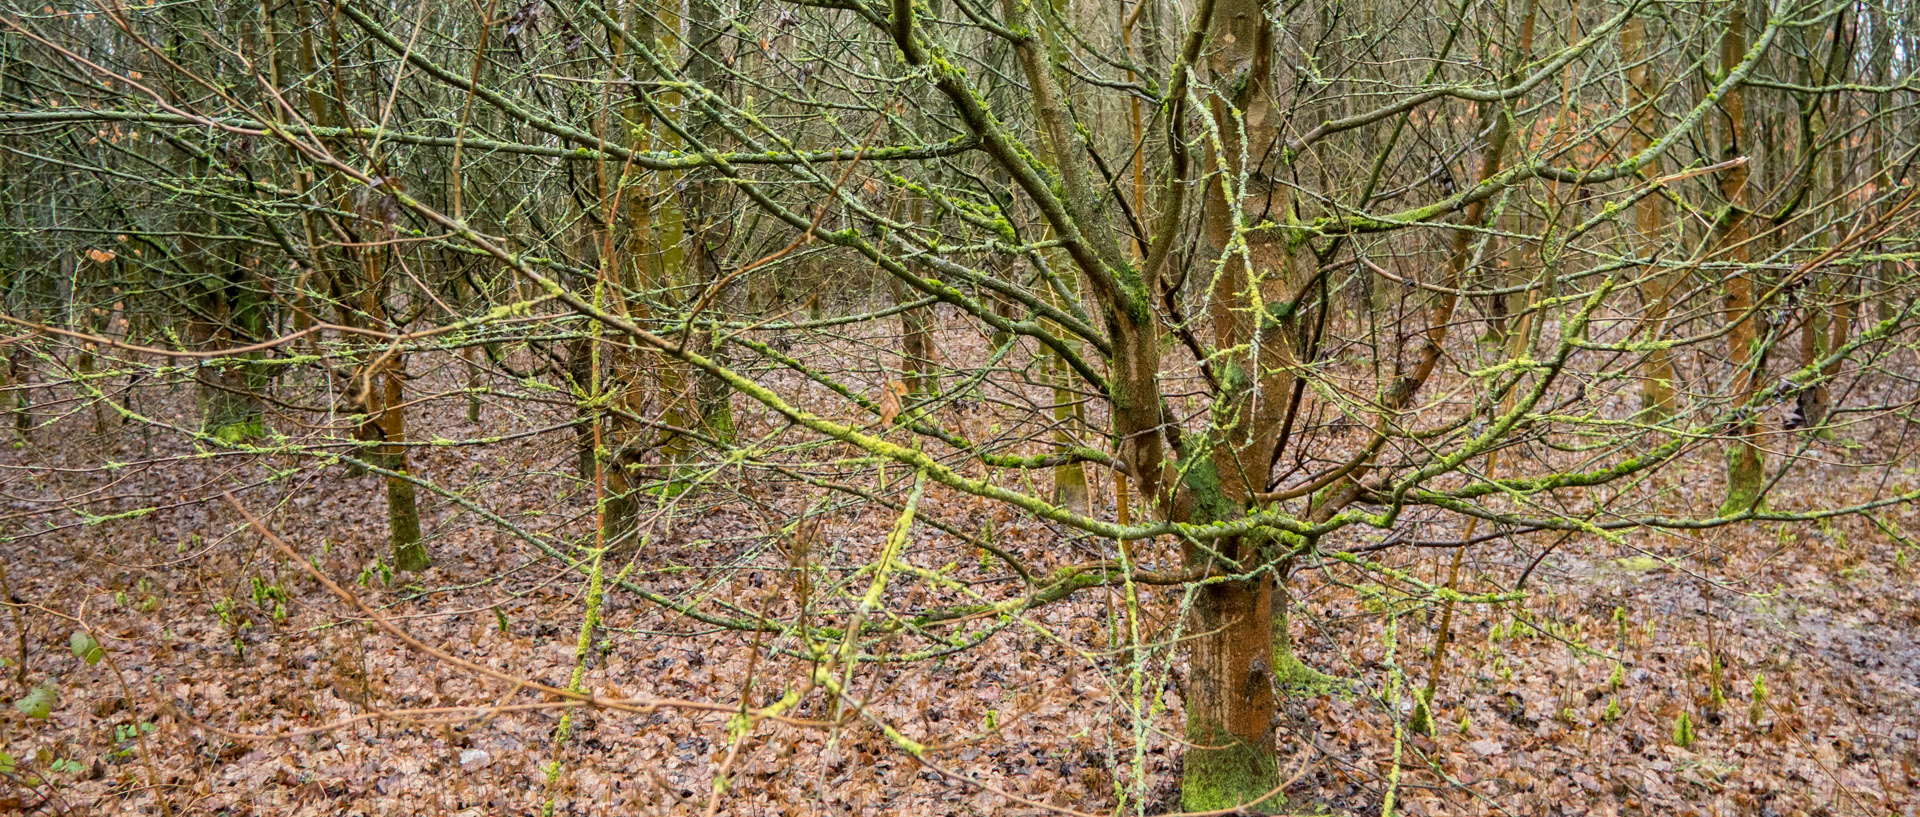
671, 489
1224, 778
1422, 720
1683, 731
1280, 312
717, 416
403, 516
1293, 678
1209, 496
1745, 477
236, 433
1639, 564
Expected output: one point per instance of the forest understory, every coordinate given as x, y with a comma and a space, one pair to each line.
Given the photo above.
229, 681
1093, 408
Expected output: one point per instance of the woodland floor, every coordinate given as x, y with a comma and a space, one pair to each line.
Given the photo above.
1533, 718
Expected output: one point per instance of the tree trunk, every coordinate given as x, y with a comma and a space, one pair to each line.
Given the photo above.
1814, 332
1745, 468
1069, 416
1230, 703
580, 377
916, 342
473, 383
19, 380
712, 227
662, 232
1656, 371
403, 513
1229, 694
1824, 325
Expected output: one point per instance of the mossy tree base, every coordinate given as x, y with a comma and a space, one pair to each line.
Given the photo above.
234, 433
403, 515
231, 418
1231, 776
1746, 477
411, 558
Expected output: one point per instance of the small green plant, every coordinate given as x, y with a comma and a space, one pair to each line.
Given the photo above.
1613, 710
1828, 530
38, 703
1466, 723
1617, 678
1716, 695
85, 648
126, 737
62, 765
270, 597
228, 609
131, 731
1758, 707
224, 609
378, 568
1683, 731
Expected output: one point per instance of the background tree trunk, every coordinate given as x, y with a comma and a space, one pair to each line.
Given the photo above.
1745, 468
403, 513
1656, 287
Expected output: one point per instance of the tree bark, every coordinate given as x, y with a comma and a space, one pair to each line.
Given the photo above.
1231, 706
711, 227
1656, 288
1745, 467
1229, 695
403, 512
